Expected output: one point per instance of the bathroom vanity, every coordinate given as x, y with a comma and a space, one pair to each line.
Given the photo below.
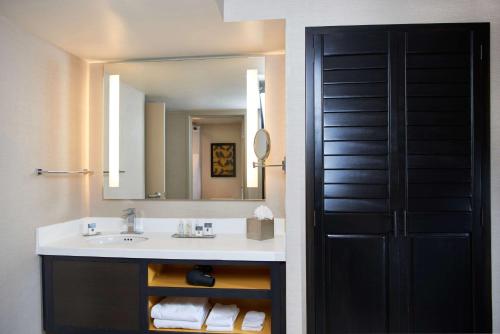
93, 287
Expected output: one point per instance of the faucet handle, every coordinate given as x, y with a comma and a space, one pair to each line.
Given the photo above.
129, 211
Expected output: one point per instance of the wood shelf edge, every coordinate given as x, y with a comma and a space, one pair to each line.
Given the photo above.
210, 292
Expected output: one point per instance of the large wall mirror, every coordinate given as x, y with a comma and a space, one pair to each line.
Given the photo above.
183, 129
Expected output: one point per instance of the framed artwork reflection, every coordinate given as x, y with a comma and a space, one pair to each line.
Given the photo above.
223, 160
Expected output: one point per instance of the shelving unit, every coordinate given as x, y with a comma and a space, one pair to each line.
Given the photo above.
245, 305
135, 285
230, 281
250, 287
226, 277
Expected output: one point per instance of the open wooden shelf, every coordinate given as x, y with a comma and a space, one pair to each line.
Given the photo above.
226, 277
245, 305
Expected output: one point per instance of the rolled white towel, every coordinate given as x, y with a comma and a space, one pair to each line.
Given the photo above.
223, 315
192, 309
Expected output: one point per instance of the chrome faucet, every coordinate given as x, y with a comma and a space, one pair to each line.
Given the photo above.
130, 216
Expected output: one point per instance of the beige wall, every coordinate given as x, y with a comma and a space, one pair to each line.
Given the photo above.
275, 123
181, 208
155, 147
176, 170
220, 187
302, 13
43, 123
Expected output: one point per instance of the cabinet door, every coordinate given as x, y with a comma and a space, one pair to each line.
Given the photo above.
354, 187
91, 296
357, 283
443, 180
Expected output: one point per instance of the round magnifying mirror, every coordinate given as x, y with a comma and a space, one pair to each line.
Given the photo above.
262, 144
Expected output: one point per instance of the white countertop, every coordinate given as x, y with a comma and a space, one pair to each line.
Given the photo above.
65, 239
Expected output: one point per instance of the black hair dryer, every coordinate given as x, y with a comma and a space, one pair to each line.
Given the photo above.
201, 276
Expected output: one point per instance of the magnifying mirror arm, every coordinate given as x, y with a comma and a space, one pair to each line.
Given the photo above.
264, 165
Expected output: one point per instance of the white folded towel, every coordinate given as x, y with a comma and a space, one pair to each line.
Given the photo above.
252, 329
158, 323
220, 328
254, 318
223, 315
253, 321
192, 309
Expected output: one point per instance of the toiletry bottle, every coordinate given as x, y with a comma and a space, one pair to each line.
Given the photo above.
180, 228
208, 229
84, 228
198, 230
188, 229
92, 229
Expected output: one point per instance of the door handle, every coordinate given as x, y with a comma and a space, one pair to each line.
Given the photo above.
395, 223
405, 227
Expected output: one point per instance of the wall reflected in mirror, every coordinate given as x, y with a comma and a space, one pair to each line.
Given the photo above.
183, 129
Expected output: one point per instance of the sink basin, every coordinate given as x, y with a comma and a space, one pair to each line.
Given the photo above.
121, 239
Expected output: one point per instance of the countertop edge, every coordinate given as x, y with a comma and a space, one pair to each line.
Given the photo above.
261, 256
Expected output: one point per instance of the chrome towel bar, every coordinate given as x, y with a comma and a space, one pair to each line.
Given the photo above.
107, 172
40, 171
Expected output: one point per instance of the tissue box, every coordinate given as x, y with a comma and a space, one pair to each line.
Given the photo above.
260, 229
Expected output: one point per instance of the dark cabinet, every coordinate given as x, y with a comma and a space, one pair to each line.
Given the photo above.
398, 184
84, 296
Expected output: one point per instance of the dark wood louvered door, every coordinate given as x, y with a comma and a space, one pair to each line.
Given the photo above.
357, 181
397, 179
444, 135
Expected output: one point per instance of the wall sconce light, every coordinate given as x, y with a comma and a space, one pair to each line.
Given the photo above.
114, 131
252, 124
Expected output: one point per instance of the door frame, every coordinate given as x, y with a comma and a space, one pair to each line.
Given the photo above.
481, 116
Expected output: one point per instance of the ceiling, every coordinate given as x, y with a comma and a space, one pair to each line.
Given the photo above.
130, 29
202, 84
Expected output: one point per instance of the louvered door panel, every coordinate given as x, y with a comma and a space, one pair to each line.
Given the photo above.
439, 181
356, 180
355, 134
436, 93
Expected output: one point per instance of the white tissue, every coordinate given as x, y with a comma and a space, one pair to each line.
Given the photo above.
263, 212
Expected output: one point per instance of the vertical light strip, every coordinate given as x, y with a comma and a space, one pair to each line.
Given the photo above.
263, 106
252, 120
114, 131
